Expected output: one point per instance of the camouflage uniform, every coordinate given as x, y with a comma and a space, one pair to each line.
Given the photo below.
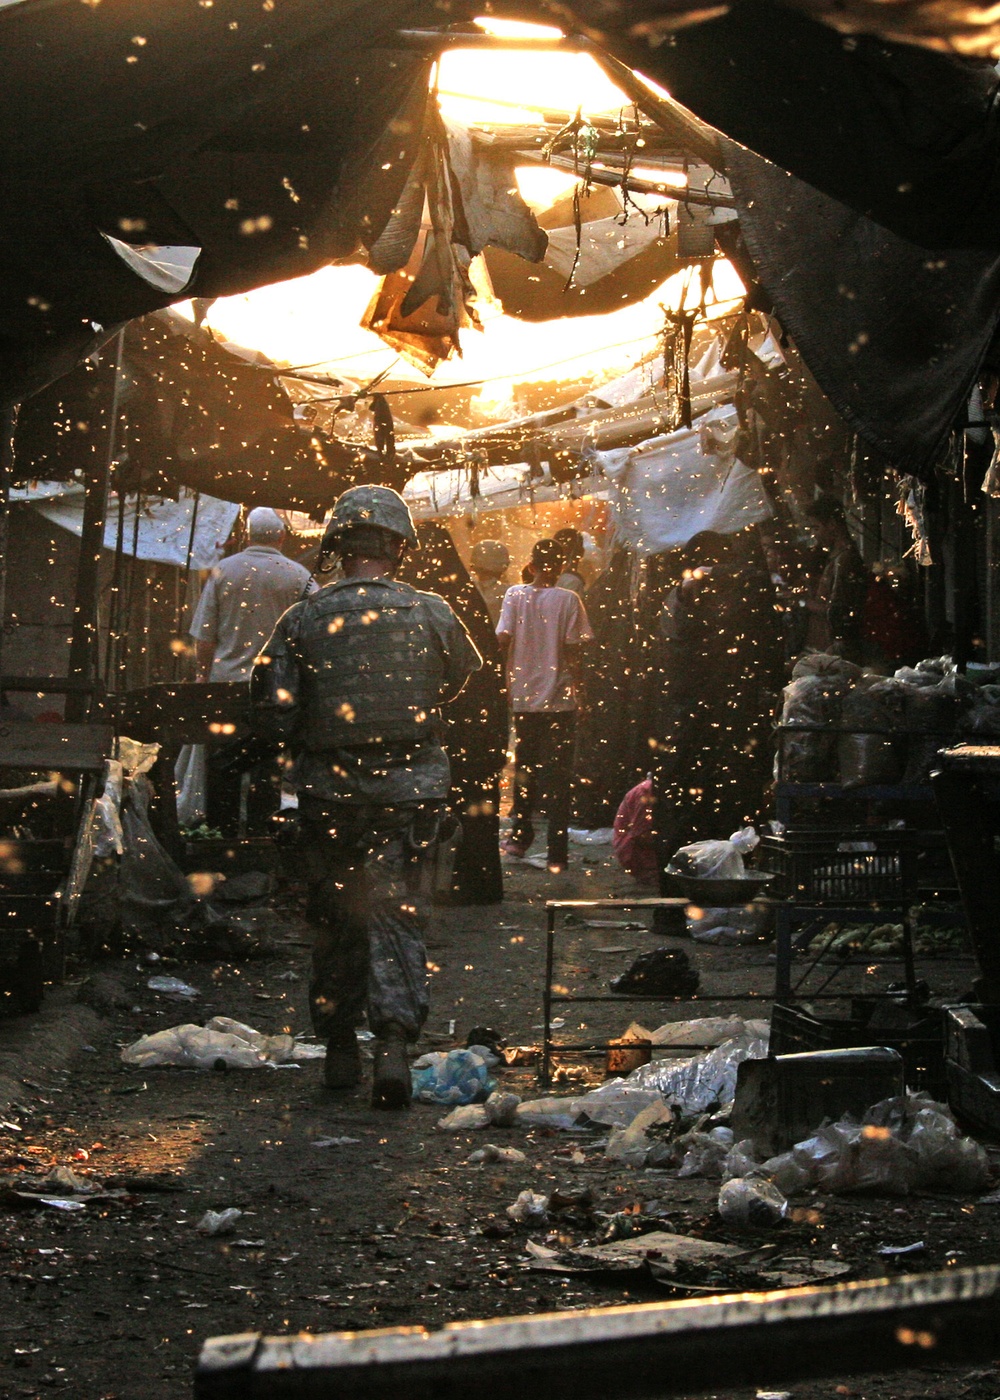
351, 680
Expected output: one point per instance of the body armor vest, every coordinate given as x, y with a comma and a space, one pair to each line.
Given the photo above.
372, 665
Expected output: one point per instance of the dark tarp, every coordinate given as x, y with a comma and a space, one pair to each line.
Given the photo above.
907, 136
894, 334
192, 414
272, 136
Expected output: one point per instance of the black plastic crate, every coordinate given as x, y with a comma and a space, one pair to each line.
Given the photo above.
921, 1043
847, 868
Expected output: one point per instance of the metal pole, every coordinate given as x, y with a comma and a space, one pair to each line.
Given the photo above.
8, 422
83, 659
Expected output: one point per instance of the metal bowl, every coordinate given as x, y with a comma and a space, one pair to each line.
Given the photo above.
716, 894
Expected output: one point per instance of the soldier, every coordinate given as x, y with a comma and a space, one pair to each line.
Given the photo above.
352, 679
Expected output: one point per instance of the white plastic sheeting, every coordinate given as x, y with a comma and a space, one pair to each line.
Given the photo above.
667, 490
164, 525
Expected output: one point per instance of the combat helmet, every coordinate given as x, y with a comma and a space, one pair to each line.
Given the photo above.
377, 506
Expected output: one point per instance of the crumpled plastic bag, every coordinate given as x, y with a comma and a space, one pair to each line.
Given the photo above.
901, 1145
750, 1203
458, 1077
695, 1084
221, 1043
467, 1118
717, 860
812, 697
731, 925
705, 1153
530, 1208
704, 1032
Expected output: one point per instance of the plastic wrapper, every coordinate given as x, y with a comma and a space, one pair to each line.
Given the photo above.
717, 860
703, 1032
739, 1160
731, 925
501, 1109
695, 1084
501, 1156
866, 759
220, 1044
219, 1222
751, 1203
530, 1208
705, 1153
465, 1119
902, 1144
458, 1077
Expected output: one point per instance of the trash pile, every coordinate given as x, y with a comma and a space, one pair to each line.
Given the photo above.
458, 1077
922, 707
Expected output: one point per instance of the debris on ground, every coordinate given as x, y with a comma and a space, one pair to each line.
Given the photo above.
458, 1077
530, 1208
746, 1203
219, 1222
491, 1154
221, 1043
173, 987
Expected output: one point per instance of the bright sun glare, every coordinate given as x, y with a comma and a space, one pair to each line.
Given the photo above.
314, 321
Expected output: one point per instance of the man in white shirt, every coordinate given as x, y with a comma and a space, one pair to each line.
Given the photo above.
541, 630
239, 606
243, 599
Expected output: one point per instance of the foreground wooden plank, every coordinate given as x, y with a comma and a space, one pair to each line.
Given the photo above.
622, 1353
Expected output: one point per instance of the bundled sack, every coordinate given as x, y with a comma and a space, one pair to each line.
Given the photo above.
865, 759
931, 716
633, 841
716, 860
981, 720
813, 697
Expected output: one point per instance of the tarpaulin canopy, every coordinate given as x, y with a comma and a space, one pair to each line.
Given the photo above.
192, 530
264, 138
191, 414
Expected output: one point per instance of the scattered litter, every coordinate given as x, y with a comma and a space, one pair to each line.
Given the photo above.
290, 976
616, 948
509, 1156
458, 1077
530, 1208
334, 1141
61, 1203
173, 987
218, 1222
698, 1083
65, 1179
600, 836
749, 1203
659, 1251
661, 972
501, 1109
465, 1119
896, 1251
993, 1199
247, 1244
774, 1395
631, 1145
705, 1154
220, 1044
901, 1145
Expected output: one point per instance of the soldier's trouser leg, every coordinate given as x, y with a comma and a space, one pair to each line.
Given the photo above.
367, 870
337, 909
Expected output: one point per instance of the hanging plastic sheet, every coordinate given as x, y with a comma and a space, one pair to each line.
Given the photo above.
164, 525
670, 488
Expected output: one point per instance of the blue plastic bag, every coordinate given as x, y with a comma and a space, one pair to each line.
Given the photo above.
460, 1076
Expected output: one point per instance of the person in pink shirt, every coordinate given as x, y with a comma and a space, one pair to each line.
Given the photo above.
541, 630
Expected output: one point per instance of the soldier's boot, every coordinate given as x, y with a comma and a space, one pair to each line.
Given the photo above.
392, 1086
342, 1068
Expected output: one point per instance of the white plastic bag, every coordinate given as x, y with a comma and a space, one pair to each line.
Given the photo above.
717, 860
694, 1084
221, 1043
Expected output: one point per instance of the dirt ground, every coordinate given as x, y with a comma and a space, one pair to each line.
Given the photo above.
112, 1302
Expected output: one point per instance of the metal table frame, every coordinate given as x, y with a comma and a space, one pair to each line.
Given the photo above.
550, 998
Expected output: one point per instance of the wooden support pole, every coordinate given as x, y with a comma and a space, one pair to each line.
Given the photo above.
83, 649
